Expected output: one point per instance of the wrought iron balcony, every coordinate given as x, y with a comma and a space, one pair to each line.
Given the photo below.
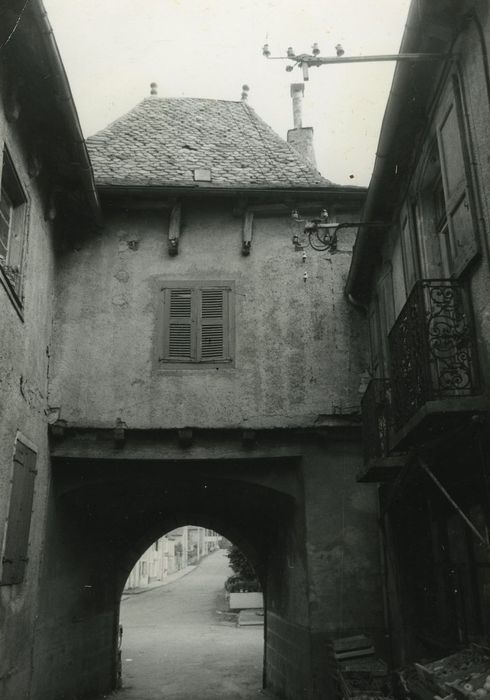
375, 409
377, 430
432, 350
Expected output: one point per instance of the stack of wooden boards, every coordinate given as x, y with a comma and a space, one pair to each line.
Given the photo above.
363, 675
461, 676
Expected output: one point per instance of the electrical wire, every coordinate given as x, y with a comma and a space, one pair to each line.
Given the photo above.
14, 28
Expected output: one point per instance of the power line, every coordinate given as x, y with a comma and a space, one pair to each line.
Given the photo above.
2, 46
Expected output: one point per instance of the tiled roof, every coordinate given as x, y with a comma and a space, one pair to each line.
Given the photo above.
163, 140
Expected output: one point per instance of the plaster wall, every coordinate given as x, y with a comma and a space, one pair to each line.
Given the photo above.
309, 531
298, 344
477, 97
24, 358
474, 94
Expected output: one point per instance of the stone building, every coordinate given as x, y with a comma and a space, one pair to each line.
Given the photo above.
422, 271
170, 357
47, 192
171, 553
201, 377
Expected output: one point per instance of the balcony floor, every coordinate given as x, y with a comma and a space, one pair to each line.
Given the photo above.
438, 417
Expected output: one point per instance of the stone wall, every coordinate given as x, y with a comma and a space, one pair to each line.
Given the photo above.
299, 350
290, 504
24, 362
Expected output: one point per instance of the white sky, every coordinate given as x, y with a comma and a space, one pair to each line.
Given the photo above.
113, 49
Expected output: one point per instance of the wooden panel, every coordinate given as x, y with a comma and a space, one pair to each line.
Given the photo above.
212, 341
409, 248
463, 241
14, 557
179, 343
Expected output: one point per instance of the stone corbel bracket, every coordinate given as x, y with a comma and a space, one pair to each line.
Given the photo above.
247, 231
174, 229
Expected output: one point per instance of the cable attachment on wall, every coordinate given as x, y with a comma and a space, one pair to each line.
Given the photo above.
321, 235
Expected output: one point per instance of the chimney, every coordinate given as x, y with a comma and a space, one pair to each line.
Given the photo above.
301, 137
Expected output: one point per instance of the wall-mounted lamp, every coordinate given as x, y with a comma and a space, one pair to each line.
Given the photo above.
321, 235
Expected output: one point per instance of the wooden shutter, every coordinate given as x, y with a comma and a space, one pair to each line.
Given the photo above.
375, 340
409, 248
179, 324
14, 557
386, 316
463, 240
213, 342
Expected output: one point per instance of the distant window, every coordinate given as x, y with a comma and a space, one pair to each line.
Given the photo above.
17, 527
12, 225
196, 323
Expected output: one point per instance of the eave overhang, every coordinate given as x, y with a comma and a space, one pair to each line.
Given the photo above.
33, 56
114, 194
429, 27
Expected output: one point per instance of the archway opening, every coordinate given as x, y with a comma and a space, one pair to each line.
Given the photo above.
192, 620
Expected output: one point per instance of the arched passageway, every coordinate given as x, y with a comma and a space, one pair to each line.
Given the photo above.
105, 515
289, 502
179, 638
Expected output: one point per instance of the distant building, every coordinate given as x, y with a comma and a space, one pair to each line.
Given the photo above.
177, 550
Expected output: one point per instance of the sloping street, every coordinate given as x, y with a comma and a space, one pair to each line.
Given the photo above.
177, 647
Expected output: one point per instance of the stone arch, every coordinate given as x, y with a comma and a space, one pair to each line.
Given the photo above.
105, 513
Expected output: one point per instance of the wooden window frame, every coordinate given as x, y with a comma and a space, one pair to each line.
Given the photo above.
166, 364
11, 265
15, 543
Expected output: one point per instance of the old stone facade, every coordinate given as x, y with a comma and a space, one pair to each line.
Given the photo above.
425, 279
199, 377
170, 363
168, 357
41, 153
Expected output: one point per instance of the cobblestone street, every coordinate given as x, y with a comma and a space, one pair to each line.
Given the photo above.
177, 647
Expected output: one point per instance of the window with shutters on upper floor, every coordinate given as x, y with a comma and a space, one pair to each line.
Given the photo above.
13, 213
444, 211
196, 324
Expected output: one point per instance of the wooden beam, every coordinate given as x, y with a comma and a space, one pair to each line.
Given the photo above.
174, 229
247, 232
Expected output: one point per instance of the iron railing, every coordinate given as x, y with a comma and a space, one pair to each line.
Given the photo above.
376, 419
432, 348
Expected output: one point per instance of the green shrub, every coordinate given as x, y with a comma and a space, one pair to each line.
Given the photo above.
244, 578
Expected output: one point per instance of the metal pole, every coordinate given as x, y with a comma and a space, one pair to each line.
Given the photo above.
329, 60
463, 515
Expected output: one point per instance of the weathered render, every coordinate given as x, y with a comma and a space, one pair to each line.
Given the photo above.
259, 442
41, 153
425, 279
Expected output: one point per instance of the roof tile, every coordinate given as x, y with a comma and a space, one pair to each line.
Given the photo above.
162, 140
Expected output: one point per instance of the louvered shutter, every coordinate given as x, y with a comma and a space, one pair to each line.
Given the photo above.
463, 240
213, 342
179, 324
14, 557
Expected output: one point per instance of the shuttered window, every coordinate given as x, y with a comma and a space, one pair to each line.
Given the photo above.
196, 323
459, 220
16, 538
12, 225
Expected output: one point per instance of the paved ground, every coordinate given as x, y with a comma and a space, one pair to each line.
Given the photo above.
176, 646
